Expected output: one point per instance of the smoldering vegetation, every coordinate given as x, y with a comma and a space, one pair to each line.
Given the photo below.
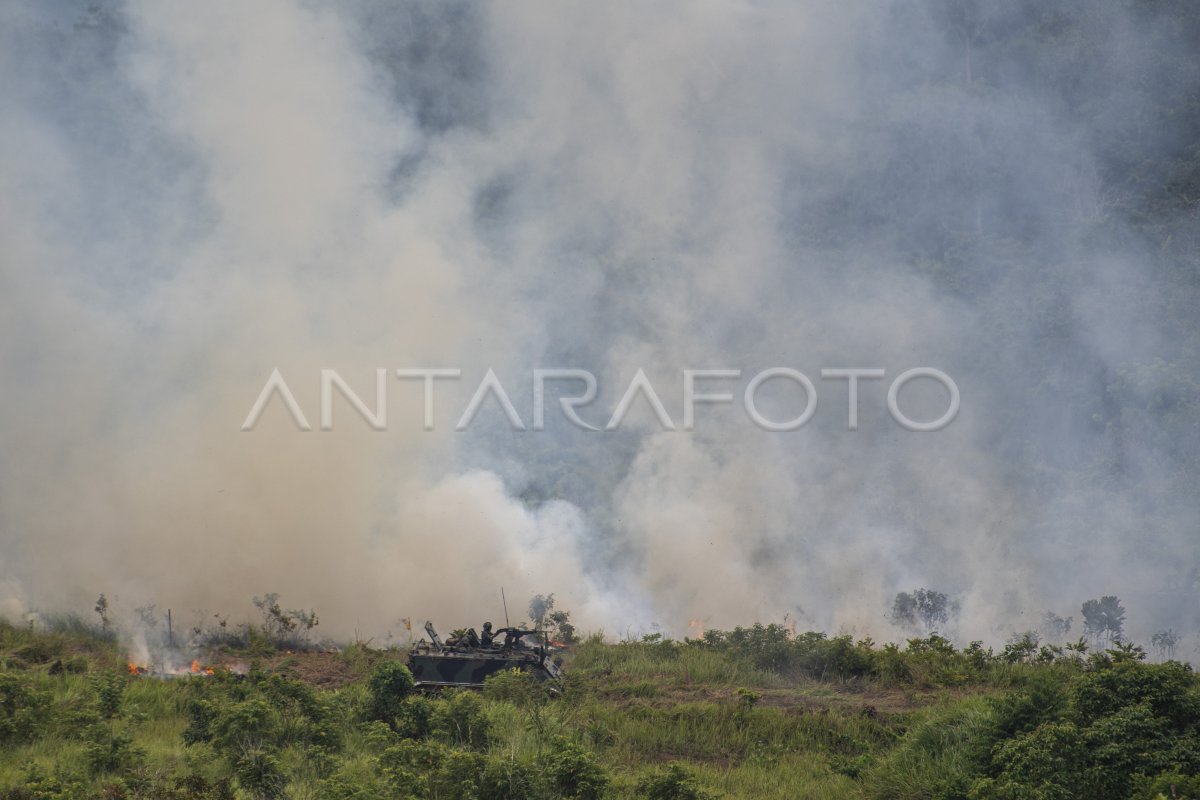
192, 198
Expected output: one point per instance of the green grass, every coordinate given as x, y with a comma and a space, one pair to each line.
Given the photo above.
647, 664
634, 707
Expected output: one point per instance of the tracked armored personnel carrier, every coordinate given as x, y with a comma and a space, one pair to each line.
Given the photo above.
466, 661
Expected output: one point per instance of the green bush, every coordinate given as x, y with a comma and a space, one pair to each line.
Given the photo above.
573, 772
1044, 764
1114, 728
518, 687
23, 710
415, 718
245, 725
459, 719
675, 782
1043, 698
259, 774
1165, 688
109, 688
507, 779
37, 784
200, 716
390, 683
108, 750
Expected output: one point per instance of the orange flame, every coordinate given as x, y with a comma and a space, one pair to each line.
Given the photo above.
209, 671
195, 667
696, 625
133, 668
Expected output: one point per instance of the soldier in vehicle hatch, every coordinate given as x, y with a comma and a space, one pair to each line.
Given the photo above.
485, 639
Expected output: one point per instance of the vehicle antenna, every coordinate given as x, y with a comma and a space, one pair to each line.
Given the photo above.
504, 600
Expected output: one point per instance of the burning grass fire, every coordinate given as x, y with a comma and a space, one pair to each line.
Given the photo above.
180, 670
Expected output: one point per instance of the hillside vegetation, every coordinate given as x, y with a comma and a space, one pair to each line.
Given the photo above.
749, 713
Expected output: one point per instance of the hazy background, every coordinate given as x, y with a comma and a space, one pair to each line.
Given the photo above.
192, 196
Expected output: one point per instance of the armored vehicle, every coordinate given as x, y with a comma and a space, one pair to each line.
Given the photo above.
465, 661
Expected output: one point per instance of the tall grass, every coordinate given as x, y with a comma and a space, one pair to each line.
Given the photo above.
666, 662
936, 758
723, 732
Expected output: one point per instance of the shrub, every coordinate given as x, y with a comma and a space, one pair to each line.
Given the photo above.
37, 784
1044, 764
200, 716
258, 773
457, 776
404, 767
573, 772
106, 750
1042, 699
390, 683
507, 779
246, 725
1164, 687
517, 687
23, 710
674, 782
460, 719
415, 718
346, 786
747, 699
109, 688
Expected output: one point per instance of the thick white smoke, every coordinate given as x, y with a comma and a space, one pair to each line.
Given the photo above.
193, 197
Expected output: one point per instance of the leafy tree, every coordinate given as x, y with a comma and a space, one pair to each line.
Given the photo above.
1165, 643
1021, 647
540, 607
1104, 619
561, 629
924, 608
1055, 627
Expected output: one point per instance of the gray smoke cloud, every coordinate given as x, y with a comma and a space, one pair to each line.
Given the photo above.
191, 198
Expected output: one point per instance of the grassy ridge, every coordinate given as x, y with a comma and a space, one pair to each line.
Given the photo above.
744, 714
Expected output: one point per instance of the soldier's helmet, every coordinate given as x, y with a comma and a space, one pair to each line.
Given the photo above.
487, 626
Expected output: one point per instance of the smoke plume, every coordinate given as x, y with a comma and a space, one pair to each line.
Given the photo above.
192, 197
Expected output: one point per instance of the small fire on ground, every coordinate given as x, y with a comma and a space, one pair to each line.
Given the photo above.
182, 670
